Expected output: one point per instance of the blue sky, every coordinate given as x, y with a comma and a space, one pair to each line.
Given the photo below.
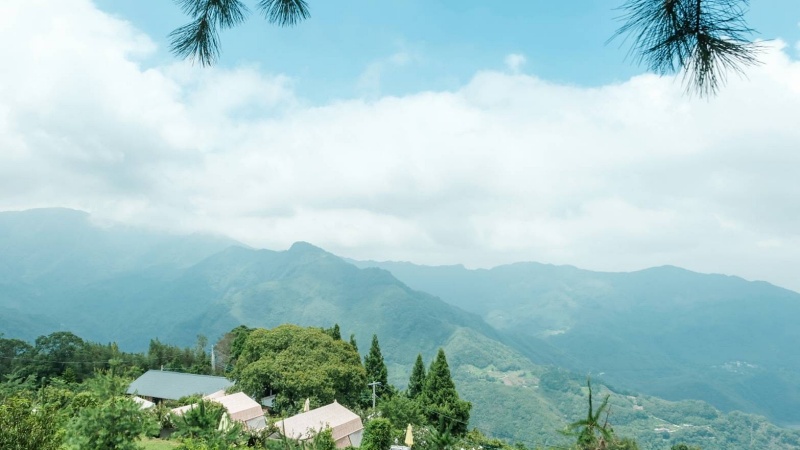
408, 130
441, 44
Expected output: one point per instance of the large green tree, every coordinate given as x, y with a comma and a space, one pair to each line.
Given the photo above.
703, 39
296, 363
13, 353
440, 400
416, 383
376, 367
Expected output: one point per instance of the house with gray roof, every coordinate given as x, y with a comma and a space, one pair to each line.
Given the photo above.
157, 385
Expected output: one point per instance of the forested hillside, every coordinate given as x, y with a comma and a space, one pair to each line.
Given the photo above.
503, 366
664, 331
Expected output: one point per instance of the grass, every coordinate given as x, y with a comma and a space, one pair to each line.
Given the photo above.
157, 444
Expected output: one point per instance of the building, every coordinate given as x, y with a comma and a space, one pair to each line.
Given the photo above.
243, 409
345, 425
239, 406
158, 385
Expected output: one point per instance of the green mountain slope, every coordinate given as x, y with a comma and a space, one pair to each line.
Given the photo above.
164, 293
663, 331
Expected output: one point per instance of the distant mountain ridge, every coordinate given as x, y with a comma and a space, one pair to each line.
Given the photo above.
128, 285
664, 331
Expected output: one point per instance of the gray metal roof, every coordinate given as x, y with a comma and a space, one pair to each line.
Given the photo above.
174, 385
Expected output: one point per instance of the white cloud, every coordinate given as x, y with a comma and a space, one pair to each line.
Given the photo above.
369, 82
515, 61
508, 167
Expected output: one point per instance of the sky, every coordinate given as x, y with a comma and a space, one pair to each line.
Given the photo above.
437, 132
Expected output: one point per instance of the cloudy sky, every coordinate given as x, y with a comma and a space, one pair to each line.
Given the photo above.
437, 132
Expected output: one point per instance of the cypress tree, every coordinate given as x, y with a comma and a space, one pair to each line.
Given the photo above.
376, 368
353, 342
333, 332
417, 381
440, 400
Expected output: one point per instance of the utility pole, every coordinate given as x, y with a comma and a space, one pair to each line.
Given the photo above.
373, 384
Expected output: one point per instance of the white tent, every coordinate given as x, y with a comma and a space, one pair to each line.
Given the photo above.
345, 425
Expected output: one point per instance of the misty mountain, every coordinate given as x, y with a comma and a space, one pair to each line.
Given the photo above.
59, 271
663, 331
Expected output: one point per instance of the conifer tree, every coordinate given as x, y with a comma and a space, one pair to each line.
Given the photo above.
376, 368
353, 342
440, 399
334, 332
417, 381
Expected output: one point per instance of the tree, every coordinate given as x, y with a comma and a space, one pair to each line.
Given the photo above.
401, 411
353, 342
296, 363
590, 432
594, 432
375, 367
201, 423
26, 425
440, 400
117, 423
703, 39
377, 435
416, 383
58, 354
10, 350
324, 440
113, 421
334, 332
684, 447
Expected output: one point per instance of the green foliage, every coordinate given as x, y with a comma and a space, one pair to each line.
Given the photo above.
703, 39
298, 363
179, 359
353, 342
11, 351
684, 447
200, 424
689, 347
441, 438
416, 383
199, 39
334, 332
116, 423
26, 425
324, 440
623, 444
377, 435
440, 399
401, 411
593, 432
376, 368
104, 417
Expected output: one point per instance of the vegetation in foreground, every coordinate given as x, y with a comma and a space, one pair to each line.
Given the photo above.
65, 393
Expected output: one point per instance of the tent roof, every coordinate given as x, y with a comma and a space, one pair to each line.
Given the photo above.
174, 385
341, 420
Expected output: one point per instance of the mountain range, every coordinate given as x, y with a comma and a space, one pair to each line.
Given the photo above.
520, 338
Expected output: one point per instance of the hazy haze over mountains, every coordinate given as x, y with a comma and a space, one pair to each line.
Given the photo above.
663, 331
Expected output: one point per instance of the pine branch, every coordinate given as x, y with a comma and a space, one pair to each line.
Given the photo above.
284, 12
703, 39
199, 39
